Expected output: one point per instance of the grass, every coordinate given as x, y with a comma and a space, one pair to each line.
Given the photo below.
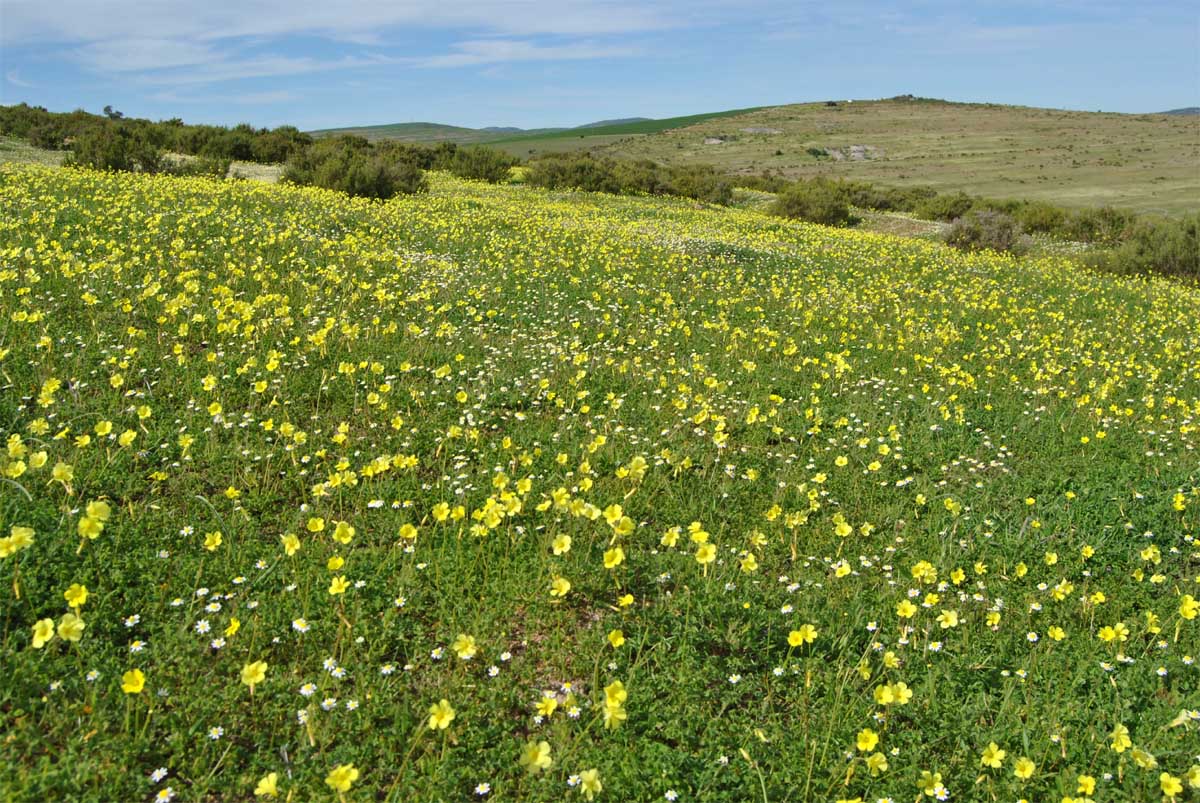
1076, 159
18, 151
838, 510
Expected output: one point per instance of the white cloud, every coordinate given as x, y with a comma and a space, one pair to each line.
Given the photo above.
497, 51
14, 79
27, 21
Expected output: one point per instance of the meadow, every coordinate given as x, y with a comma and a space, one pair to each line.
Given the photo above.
1075, 159
495, 493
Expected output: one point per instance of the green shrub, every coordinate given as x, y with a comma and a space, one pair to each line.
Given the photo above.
1170, 247
986, 229
945, 207
1039, 216
817, 201
481, 164
198, 166
1105, 225
700, 182
349, 164
115, 146
574, 172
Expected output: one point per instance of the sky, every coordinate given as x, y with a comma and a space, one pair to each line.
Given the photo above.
533, 63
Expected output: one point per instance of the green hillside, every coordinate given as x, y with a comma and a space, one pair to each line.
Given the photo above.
1145, 162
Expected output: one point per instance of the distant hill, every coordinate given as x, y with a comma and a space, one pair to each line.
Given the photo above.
1143, 162
522, 140
1184, 110
620, 121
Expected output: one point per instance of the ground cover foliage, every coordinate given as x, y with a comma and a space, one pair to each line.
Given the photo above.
499, 493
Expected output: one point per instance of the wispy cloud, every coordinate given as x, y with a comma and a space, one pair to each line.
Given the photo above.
14, 79
499, 51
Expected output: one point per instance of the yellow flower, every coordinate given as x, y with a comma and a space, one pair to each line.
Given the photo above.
343, 532
70, 627
76, 595
613, 557
589, 782
992, 756
43, 631
254, 673
560, 587
807, 634
905, 609
948, 619
866, 740
291, 544
267, 785
1086, 785
1024, 768
1188, 607
536, 757
1120, 739
706, 554
90, 528
133, 681
440, 715
212, 540
877, 763
1170, 785
341, 777
338, 585
465, 647
616, 638
235, 624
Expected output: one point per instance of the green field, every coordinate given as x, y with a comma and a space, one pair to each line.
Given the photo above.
499, 494
526, 142
1146, 163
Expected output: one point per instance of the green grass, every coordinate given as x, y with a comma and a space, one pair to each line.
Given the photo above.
18, 151
1076, 159
852, 422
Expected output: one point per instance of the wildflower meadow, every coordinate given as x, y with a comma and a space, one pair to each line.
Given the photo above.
494, 493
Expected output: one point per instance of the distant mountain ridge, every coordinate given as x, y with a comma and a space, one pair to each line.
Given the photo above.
1184, 110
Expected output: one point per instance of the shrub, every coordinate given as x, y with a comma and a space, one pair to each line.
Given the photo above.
199, 166
700, 182
1170, 247
481, 164
574, 172
986, 229
114, 146
817, 201
1039, 216
1105, 225
349, 164
944, 207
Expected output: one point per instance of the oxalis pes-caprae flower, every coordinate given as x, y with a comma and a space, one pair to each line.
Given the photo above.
518, 485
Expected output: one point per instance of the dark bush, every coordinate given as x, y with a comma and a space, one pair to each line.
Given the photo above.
945, 207
114, 146
701, 182
1039, 216
480, 164
349, 164
986, 229
1170, 247
572, 171
817, 201
199, 166
1105, 225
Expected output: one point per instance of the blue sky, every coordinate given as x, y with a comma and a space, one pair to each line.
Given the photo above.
316, 63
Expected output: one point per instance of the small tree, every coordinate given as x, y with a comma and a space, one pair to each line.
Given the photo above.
986, 229
111, 146
817, 201
481, 164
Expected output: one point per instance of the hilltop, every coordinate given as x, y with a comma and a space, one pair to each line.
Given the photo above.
1144, 162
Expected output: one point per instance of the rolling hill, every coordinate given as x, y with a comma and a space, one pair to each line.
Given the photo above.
1145, 162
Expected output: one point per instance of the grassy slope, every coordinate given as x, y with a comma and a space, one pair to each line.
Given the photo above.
982, 414
1143, 162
